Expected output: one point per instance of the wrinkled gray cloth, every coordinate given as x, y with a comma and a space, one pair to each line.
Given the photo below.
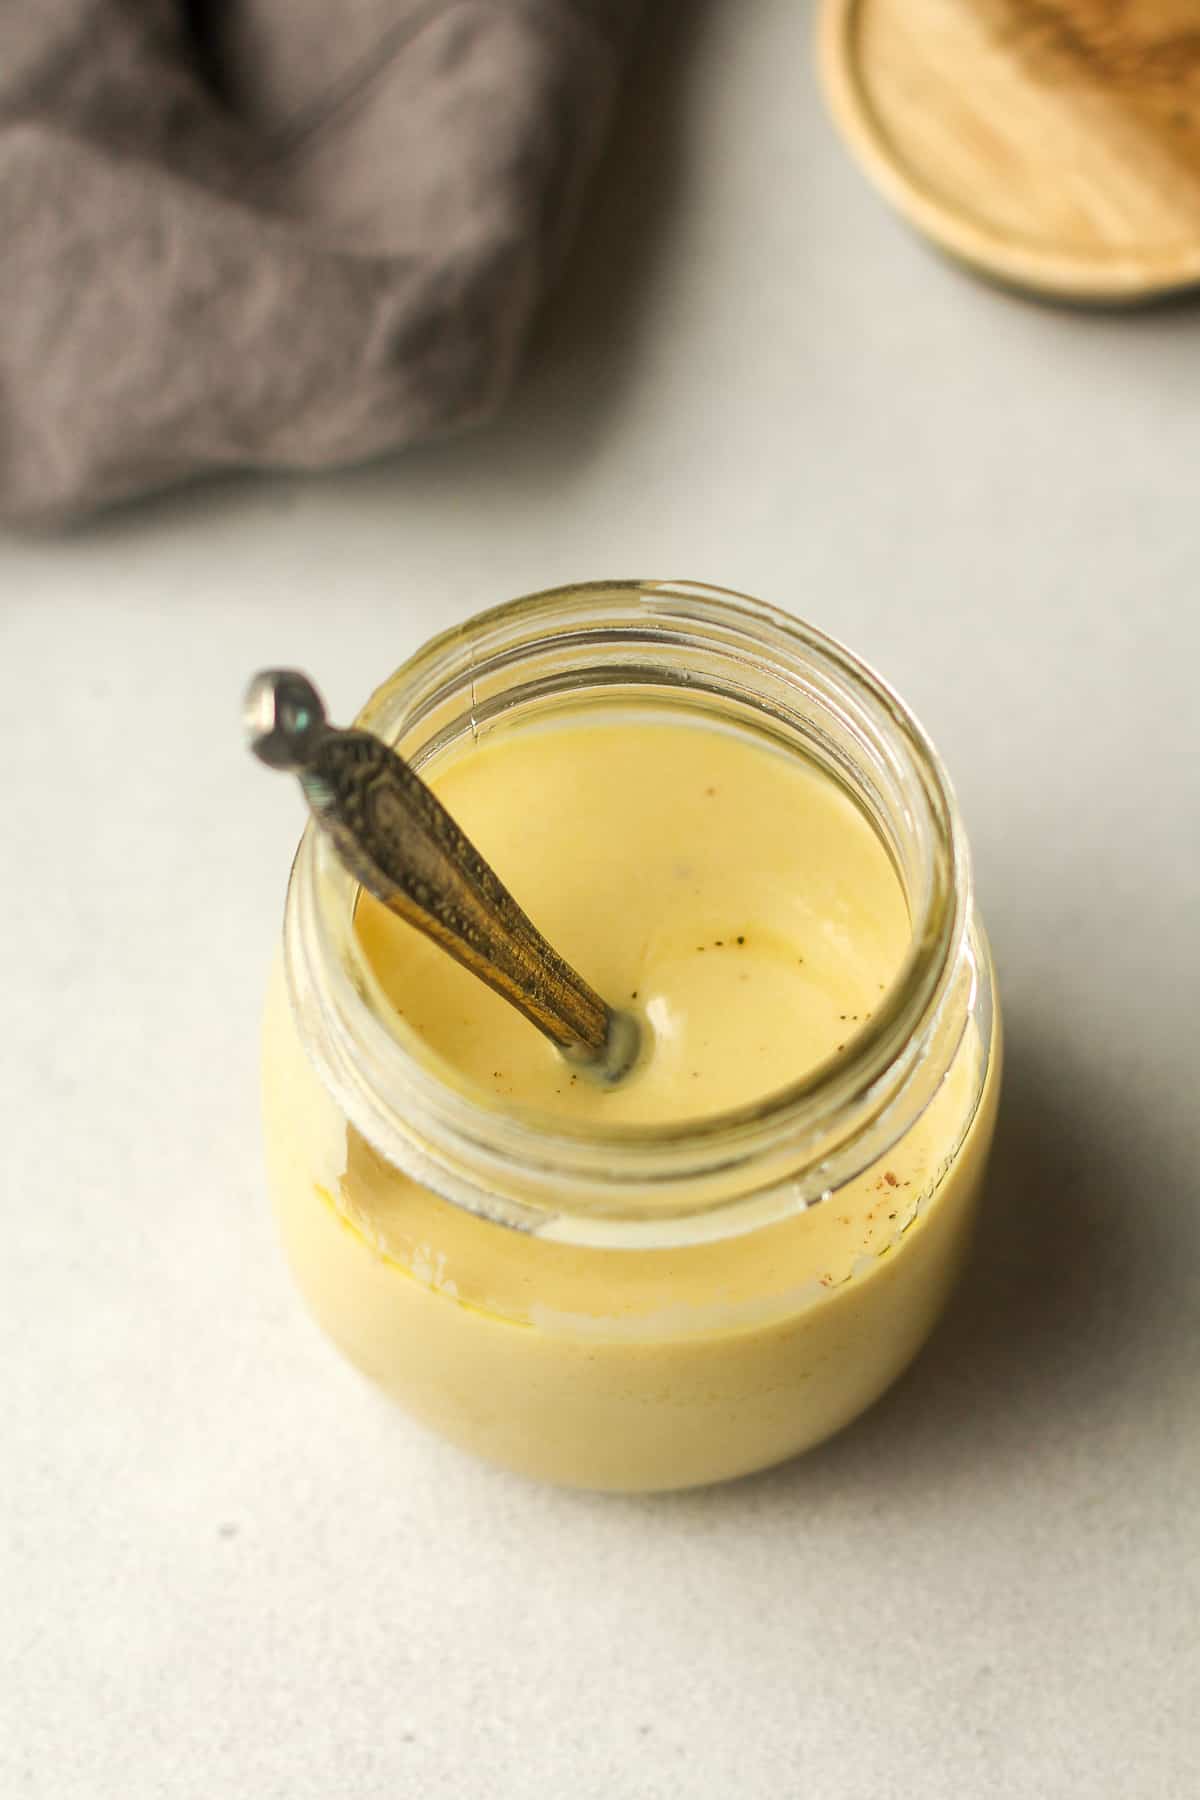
288, 233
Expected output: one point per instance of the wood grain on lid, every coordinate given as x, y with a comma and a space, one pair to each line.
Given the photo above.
1051, 144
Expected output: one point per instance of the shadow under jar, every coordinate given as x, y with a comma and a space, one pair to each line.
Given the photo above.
639, 1303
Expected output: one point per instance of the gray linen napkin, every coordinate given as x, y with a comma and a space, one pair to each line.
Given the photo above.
286, 233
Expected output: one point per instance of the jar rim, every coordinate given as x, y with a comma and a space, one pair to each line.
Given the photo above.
523, 1169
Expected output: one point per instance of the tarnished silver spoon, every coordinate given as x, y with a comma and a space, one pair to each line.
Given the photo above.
396, 838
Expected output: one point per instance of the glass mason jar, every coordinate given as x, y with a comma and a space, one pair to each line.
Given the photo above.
647, 1306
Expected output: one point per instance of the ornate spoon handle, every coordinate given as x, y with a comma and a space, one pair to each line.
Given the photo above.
397, 839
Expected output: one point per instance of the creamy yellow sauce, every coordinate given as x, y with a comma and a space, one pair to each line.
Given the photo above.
738, 900
730, 894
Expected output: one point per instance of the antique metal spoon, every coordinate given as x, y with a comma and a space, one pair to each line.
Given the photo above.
398, 840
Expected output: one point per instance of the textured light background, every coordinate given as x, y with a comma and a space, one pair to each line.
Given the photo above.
228, 1568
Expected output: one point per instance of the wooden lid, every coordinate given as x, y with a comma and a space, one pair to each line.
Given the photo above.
1051, 144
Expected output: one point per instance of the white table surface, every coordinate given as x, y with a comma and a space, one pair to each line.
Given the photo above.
231, 1570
